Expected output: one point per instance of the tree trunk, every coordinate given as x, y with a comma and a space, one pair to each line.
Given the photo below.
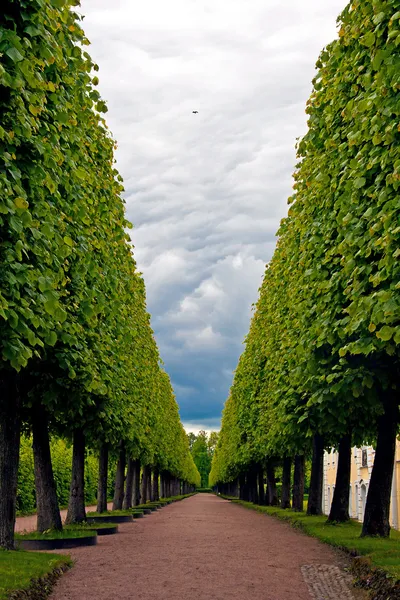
286, 477
242, 487
103, 479
314, 506
162, 490
298, 482
166, 490
127, 503
149, 488
377, 509
252, 479
136, 483
119, 480
145, 484
155, 492
272, 493
48, 512
261, 491
10, 431
76, 506
339, 512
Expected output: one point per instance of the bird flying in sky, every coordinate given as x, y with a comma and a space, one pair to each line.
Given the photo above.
195, 112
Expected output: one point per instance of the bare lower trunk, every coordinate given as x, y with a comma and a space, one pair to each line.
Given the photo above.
103, 479
233, 488
298, 482
339, 512
261, 491
314, 506
119, 480
252, 484
272, 493
136, 483
9, 455
145, 484
242, 486
155, 492
48, 511
127, 503
377, 509
286, 477
149, 488
244, 490
166, 493
76, 507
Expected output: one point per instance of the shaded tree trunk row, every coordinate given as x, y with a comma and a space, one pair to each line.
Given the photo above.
76, 506
120, 480
10, 431
314, 506
127, 502
48, 511
298, 482
133, 490
103, 479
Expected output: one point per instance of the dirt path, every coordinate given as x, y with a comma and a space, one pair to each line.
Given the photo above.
29, 523
205, 548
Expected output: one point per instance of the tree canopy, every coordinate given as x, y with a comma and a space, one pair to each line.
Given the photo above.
75, 335
322, 354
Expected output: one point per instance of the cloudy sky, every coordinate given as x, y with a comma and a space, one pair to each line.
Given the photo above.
205, 191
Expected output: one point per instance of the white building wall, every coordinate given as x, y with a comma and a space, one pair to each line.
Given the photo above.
359, 483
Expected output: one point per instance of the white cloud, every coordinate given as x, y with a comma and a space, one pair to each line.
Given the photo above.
206, 191
207, 426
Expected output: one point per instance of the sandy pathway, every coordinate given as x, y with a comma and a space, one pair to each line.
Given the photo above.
204, 548
29, 523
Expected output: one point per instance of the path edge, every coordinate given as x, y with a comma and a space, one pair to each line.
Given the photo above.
40, 588
379, 584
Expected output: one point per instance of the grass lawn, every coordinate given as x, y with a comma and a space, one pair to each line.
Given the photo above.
111, 513
88, 526
66, 533
383, 553
17, 568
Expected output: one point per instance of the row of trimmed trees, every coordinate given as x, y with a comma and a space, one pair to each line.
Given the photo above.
78, 356
321, 365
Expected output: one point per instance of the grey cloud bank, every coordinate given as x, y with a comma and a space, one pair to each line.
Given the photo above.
205, 191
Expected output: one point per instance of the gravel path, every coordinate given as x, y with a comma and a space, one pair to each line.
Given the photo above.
29, 523
205, 548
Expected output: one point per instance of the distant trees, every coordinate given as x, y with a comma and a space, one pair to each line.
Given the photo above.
202, 448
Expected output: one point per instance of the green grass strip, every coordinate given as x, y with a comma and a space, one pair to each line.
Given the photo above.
19, 568
88, 526
111, 513
67, 533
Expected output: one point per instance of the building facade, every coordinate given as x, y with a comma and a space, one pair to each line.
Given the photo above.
362, 460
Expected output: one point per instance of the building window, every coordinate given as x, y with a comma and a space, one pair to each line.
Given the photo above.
364, 459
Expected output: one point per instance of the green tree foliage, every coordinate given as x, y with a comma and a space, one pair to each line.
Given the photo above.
322, 354
75, 334
212, 442
202, 449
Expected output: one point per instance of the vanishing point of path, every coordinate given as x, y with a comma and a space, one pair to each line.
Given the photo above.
205, 548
